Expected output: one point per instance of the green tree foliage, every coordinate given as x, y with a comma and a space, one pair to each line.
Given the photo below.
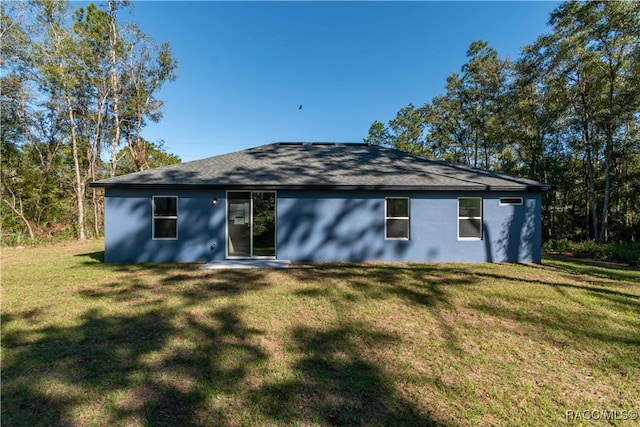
74, 83
405, 132
155, 154
481, 91
378, 134
566, 112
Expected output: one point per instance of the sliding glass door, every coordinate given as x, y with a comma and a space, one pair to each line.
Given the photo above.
239, 224
264, 224
251, 224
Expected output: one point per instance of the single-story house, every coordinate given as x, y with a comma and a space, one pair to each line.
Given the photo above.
321, 202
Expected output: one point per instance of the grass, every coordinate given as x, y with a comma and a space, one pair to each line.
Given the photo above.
628, 253
84, 343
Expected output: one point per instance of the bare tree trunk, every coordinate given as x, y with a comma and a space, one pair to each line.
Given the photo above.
586, 141
592, 192
115, 90
96, 213
475, 150
485, 143
16, 207
79, 184
607, 186
608, 152
141, 160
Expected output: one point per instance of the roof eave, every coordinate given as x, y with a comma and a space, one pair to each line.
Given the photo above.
156, 186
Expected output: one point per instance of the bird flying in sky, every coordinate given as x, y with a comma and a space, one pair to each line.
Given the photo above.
300, 107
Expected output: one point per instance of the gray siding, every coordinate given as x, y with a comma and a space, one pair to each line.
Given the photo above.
327, 226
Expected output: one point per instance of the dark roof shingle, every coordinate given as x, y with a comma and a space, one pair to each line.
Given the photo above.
321, 166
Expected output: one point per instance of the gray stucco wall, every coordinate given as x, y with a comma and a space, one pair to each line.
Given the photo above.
327, 226
128, 227
349, 226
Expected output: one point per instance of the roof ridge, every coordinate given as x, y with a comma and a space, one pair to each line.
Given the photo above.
320, 143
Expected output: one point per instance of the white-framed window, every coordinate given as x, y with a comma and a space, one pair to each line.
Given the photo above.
165, 217
396, 219
511, 201
470, 218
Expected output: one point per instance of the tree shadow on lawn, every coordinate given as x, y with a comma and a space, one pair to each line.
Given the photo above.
589, 296
46, 381
604, 342
99, 355
595, 269
592, 313
428, 287
607, 289
159, 364
422, 284
149, 284
336, 385
139, 357
597, 288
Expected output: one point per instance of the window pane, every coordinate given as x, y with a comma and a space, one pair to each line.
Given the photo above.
264, 224
165, 228
397, 207
397, 229
165, 206
469, 207
470, 228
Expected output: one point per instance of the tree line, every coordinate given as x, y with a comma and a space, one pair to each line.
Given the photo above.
77, 88
566, 112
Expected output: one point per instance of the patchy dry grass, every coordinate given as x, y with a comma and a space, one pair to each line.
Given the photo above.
85, 343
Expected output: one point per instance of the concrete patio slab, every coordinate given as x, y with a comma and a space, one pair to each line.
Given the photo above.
246, 263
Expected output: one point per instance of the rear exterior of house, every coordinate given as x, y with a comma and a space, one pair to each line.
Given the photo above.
321, 202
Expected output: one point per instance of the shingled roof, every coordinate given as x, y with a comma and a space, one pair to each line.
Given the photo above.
337, 166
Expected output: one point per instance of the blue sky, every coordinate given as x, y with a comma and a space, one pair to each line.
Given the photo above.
245, 67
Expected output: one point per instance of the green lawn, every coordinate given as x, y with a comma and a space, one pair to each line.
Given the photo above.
84, 343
